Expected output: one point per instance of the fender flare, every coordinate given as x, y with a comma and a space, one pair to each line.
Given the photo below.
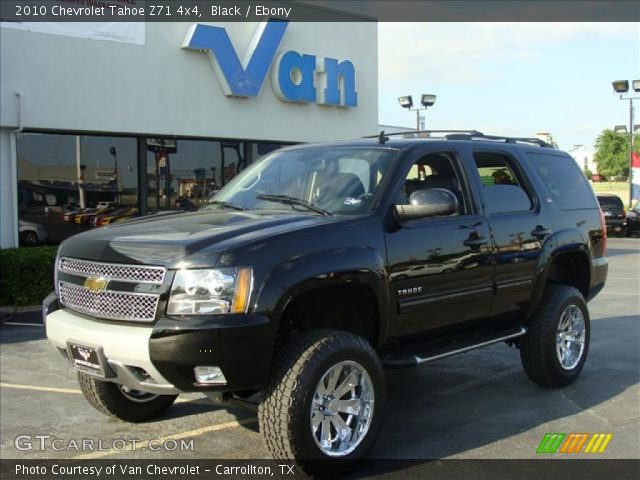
335, 266
560, 243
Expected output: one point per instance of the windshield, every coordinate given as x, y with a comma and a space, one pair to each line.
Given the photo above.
337, 180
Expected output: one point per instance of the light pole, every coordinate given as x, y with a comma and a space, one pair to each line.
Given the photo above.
112, 151
621, 87
427, 100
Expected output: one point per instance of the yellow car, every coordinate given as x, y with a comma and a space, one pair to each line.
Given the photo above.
85, 217
120, 217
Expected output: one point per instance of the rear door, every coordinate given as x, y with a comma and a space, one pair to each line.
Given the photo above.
519, 226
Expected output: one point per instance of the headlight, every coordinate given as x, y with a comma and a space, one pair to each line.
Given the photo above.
206, 292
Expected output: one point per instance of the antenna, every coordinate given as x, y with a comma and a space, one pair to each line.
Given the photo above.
382, 138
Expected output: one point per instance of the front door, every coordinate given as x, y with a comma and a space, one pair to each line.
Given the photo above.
440, 268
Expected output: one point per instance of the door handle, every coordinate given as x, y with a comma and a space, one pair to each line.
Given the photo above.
540, 232
475, 241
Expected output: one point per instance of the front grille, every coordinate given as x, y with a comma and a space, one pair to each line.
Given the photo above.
112, 271
137, 307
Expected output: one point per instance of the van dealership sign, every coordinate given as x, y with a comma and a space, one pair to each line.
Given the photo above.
295, 77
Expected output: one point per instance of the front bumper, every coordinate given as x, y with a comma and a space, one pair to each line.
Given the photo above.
161, 357
125, 347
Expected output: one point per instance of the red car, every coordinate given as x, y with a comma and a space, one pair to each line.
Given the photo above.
598, 178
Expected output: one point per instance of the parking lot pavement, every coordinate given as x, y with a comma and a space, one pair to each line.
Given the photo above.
476, 405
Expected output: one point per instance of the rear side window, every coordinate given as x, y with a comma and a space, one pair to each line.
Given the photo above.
567, 185
611, 202
505, 191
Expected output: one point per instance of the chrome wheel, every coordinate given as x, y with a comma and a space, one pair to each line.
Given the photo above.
570, 337
137, 395
342, 408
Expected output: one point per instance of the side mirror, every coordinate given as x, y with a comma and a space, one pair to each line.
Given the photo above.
428, 203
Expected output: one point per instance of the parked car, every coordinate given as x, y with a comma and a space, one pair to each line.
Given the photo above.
85, 217
183, 203
614, 213
598, 178
69, 207
113, 216
282, 285
633, 220
31, 233
97, 220
71, 215
106, 205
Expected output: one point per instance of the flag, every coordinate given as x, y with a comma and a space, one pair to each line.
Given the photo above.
635, 176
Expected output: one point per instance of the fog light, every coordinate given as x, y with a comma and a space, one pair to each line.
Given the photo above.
209, 375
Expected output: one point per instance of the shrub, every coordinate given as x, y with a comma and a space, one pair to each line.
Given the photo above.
588, 173
26, 275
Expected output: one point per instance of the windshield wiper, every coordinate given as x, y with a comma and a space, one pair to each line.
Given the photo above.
287, 200
226, 204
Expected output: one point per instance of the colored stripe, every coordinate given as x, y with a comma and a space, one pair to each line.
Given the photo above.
582, 441
557, 442
605, 443
596, 445
544, 444
568, 443
591, 442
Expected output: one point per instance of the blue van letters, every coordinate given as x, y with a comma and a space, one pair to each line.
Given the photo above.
293, 76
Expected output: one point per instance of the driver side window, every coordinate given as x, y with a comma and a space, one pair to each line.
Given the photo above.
436, 170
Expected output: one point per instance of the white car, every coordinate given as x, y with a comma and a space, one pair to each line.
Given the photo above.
31, 233
106, 204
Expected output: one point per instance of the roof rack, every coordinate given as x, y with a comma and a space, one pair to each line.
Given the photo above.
468, 135
414, 132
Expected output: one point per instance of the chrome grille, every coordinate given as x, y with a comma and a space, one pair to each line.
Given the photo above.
112, 271
137, 307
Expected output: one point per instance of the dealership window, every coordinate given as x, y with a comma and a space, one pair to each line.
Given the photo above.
184, 173
60, 173
188, 172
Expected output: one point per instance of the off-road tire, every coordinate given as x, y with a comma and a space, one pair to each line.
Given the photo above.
538, 345
107, 398
284, 413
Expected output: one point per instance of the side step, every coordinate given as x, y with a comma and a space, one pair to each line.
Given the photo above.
438, 351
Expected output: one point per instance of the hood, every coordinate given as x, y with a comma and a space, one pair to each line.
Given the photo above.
187, 239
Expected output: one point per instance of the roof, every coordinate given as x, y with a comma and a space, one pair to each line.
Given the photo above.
403, 140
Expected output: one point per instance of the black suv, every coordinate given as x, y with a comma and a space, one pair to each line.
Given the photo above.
614, 214
319, 266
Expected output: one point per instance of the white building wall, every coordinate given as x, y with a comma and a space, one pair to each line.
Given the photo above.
75, 84
159, 88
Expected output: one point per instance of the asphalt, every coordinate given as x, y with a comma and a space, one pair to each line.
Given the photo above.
479, 405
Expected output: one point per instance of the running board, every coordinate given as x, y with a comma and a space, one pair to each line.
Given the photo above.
413, 360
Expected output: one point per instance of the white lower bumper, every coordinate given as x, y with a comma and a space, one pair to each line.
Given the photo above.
124, 346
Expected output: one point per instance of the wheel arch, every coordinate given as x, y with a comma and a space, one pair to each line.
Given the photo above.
345, 276
567, 264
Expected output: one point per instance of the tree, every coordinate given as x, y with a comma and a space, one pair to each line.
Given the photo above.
612, 153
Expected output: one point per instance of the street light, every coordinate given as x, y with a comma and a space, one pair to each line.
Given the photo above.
427, 100
621, 87
112, 151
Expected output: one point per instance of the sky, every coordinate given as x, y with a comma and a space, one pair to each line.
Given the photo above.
513, 79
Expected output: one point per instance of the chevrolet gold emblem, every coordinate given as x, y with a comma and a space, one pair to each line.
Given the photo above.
96, 284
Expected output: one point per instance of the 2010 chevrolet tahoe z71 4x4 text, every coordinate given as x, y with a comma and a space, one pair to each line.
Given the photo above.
320, 265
